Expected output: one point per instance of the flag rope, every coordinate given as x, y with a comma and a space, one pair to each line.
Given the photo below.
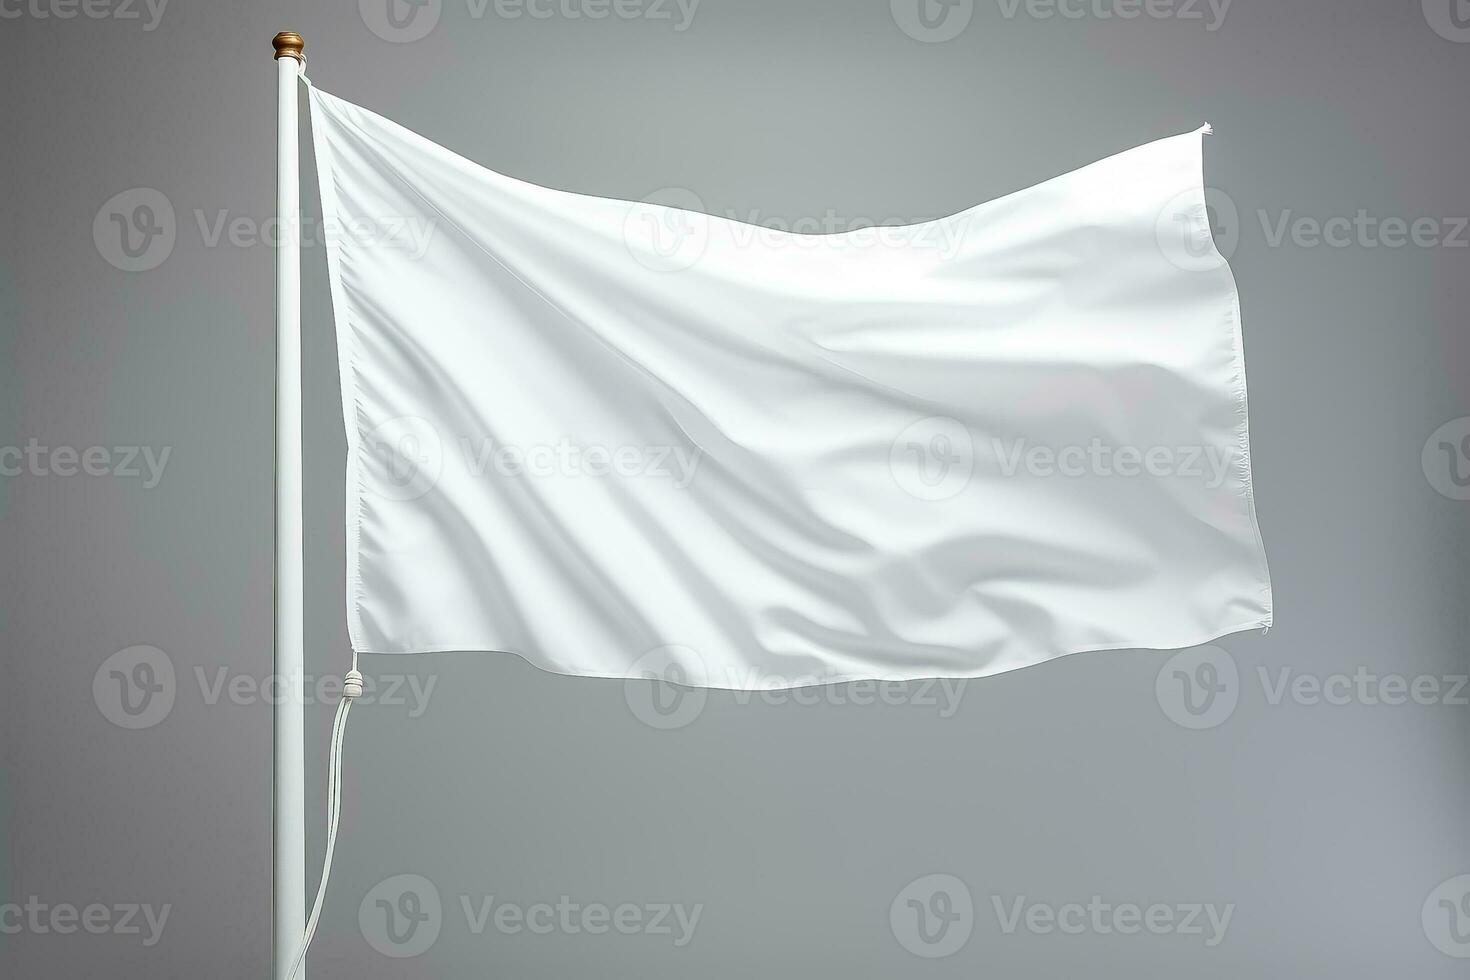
351, 690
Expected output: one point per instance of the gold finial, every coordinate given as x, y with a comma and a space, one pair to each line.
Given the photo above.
289, 44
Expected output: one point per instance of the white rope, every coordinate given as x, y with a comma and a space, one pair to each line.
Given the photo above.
351, 690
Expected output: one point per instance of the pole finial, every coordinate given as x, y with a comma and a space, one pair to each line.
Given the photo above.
289, 44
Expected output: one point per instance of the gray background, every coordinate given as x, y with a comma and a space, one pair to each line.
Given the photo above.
796, 826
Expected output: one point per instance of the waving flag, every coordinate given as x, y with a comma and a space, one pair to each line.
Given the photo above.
623, 439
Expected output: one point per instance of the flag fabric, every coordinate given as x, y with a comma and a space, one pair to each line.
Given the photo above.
627, 439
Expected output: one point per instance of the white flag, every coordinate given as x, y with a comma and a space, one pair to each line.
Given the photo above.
628, 440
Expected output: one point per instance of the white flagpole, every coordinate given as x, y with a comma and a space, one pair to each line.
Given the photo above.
289, 776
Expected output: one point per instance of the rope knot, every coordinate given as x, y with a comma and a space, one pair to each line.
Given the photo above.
352, 685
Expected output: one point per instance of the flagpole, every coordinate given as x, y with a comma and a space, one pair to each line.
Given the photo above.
289, 772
